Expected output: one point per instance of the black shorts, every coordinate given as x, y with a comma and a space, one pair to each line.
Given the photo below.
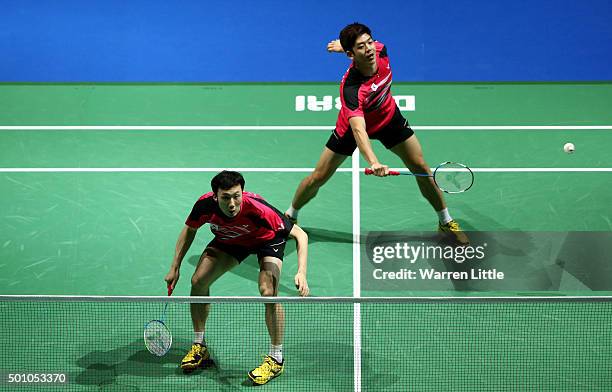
391, 135
274, 248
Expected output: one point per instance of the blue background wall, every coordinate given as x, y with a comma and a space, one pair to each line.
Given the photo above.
225, 41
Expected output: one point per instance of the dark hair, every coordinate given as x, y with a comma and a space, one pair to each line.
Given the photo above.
226, 179
350, 33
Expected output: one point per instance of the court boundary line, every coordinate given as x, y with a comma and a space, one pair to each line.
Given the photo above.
292, 127
280, 169
356, 204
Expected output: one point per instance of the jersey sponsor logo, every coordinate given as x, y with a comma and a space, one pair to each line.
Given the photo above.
378, 100
382, 82
313, 103
228, 232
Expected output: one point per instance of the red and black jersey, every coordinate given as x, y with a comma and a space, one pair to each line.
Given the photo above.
256, 223
367, 96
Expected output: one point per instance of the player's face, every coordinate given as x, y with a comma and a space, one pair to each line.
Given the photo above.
229, 200
364, 51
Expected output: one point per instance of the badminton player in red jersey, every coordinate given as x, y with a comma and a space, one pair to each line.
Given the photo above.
243, 223
370, 112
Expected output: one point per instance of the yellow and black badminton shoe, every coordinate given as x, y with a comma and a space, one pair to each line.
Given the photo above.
268, 370
198, 356
452, 231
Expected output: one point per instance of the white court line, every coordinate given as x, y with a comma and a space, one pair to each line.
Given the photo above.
356, 174
278, 169
513, 127
165, 128
157, 169
292, 127
542, 169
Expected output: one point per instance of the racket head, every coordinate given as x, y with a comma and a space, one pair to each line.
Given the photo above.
157, 337
453, 177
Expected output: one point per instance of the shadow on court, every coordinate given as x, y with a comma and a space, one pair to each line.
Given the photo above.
517, 245
104, 367
321, 235
133, 368
530, 261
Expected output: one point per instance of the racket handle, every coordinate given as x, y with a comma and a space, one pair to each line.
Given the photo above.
170, 290
369, 171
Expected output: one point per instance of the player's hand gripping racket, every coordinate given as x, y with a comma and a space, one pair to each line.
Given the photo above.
157, 336
450, 177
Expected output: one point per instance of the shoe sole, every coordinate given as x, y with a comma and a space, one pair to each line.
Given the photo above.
453, 237
203, 364
270, 379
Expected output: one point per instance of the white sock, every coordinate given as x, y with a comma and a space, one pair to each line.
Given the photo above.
199, 338
443, 216
276, 352
292, 212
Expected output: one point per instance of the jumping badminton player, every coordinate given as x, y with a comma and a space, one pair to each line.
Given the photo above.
370, 112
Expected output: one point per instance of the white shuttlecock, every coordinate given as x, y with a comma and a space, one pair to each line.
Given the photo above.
569, 148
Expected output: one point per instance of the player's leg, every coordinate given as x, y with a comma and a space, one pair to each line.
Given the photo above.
269, 276
328, 163
213, 263
398, 137
411, 154
273, 364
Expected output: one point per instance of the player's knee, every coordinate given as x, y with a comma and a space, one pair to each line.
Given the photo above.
199, 282
418, 165
318, 178
266, 290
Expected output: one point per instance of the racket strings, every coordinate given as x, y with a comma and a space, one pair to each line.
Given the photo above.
157, 338
453, 177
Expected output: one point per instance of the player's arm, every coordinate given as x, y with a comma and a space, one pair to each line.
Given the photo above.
185, 239
301, 239
358, 126
335, 47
